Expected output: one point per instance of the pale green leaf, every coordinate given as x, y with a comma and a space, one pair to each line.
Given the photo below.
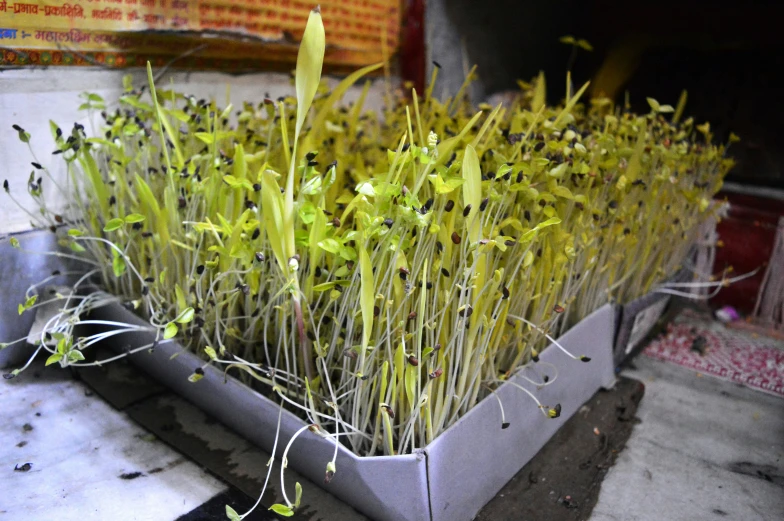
54, 358
186, 316
367, 295
113, 224
170, 331
232, 514
282, 510
310, 59
134, 218
298, 496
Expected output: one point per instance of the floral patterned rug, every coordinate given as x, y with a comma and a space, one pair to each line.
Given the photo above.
700, 343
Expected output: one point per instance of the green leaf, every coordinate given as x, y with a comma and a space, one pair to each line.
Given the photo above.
472, 191
195, 377
75, 356
75, 246
540, 93
562, 191
654, 104
211, 353
584, 44
232, 514
186, 316
134, 218
15, 242
24, 137
330, 245
205, 137
367, 295
113, 224
30, 302
170, 330
73, 232
444, 186
53, 359
310, 59
180, 296
118, 264
298, 499
282, 510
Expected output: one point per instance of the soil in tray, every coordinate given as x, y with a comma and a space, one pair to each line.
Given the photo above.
563, 481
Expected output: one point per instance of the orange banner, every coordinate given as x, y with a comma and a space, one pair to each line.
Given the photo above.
358, 31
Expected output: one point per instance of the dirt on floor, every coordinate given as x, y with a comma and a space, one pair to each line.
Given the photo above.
563, 481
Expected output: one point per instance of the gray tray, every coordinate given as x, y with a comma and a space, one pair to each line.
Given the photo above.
637, 318
450, 479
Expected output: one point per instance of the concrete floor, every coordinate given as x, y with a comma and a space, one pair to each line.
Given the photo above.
705, 449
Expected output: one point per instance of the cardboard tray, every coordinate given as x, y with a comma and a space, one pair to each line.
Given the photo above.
451, 478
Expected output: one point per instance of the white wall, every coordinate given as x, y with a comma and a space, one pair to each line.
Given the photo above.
30, 98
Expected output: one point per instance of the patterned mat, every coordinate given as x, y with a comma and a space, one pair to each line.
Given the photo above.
698, 342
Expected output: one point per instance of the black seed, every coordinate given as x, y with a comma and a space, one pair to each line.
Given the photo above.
23, 468
539, 146
199, 371
505, 425
519, 178
483, 206
439, 246
438, 65
256, 187
466, 312
259, 256
136, 226
445, 272
146, 234
406, 147
585, 358
145, 290
36, 165
256, 234
376, 311
112, 200
449, 205
466, 210
456, 238
17, 128
546, 378
149, 279
613, 204
413, 360
388, 222
428, 204
312, 163
505, 292
200, 269
527, 215
181, 202
5, 185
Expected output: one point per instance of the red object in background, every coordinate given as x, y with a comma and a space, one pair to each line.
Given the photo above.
412, 44
748, 233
